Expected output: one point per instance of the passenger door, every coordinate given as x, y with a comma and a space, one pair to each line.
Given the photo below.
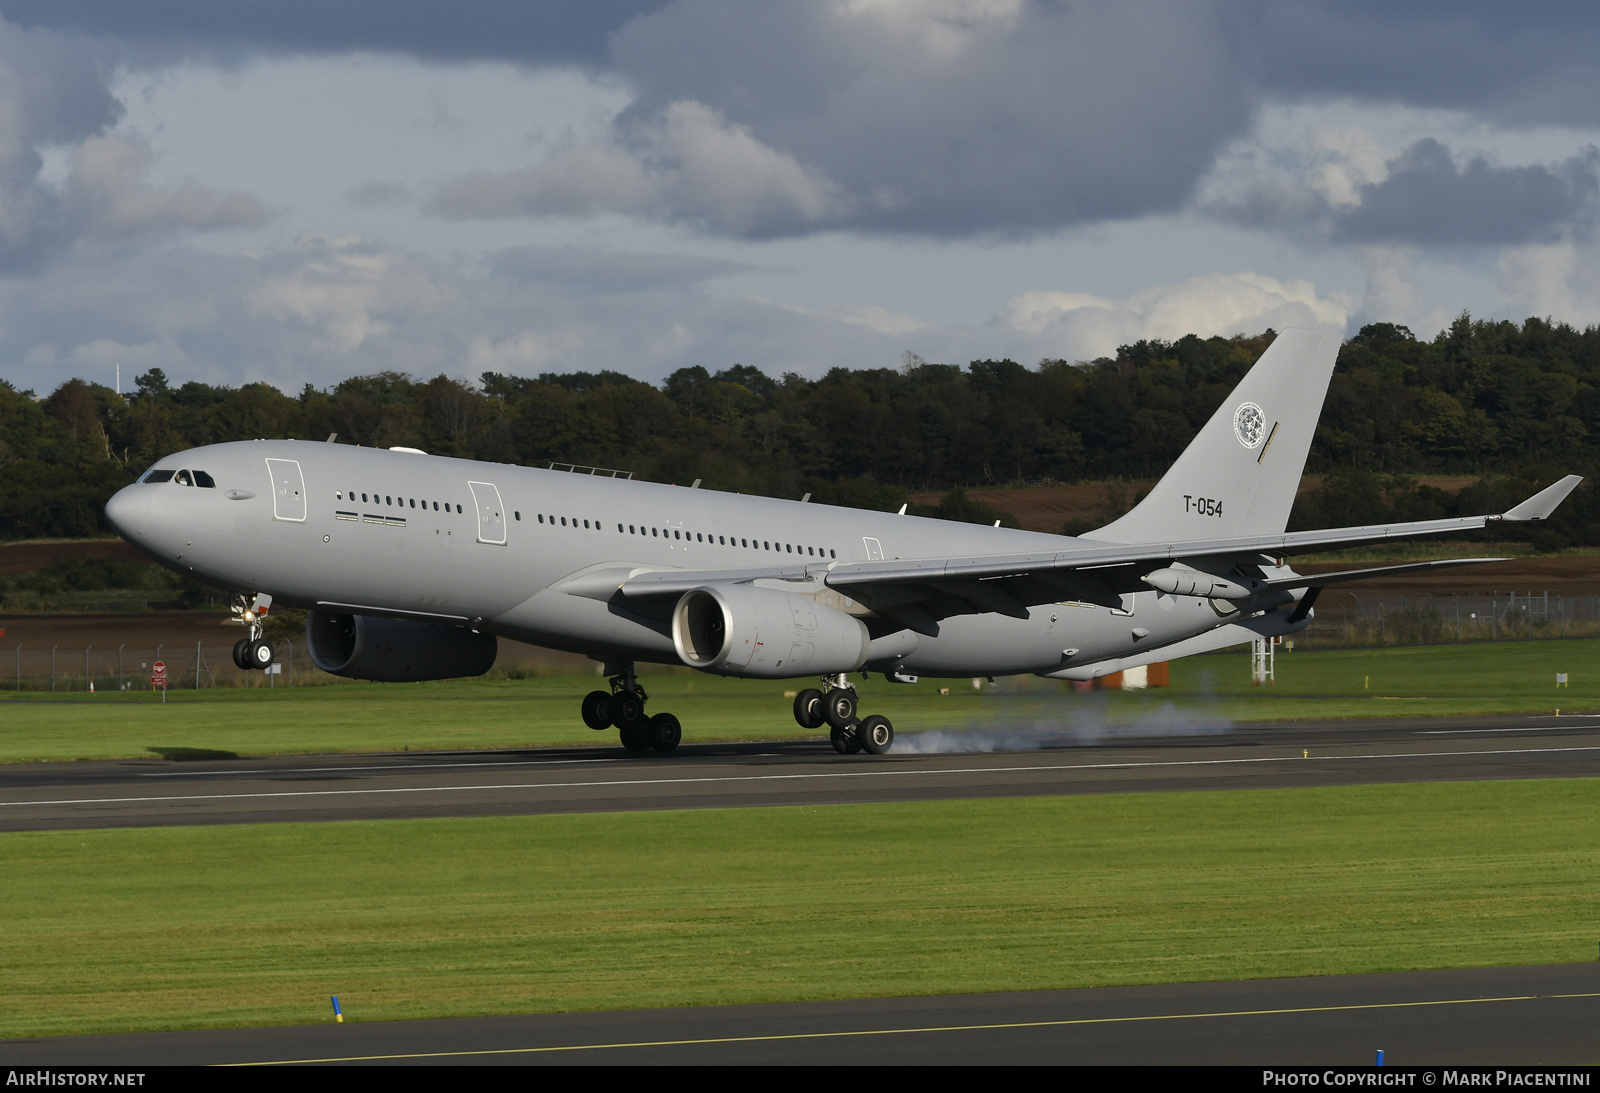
288, 490
491, 513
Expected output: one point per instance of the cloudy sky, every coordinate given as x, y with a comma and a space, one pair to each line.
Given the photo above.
299, 192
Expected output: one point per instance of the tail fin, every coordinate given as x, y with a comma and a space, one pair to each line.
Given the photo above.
1240, 473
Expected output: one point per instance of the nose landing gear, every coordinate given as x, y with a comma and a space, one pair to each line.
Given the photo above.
623, 707
253, 650
837, 706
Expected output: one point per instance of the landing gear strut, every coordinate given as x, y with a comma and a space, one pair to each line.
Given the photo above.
623, 707
253, 650
837, 705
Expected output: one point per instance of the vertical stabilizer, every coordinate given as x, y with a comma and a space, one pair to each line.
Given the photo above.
1240, 473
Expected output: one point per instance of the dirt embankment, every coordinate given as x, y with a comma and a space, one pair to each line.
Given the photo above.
35, 554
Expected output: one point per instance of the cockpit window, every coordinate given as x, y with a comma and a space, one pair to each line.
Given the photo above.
159, 476
204, 480
184, 479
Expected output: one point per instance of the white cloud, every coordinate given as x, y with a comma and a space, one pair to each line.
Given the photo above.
343, 288
1344, 159
690, 164
880, 320
106, 195
1555, 280
523, 354
1079, 325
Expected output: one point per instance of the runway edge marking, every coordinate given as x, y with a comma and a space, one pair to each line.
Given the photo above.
789, 777
908, 1031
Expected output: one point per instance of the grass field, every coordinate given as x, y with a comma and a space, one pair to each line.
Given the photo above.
1399, 680
211, 926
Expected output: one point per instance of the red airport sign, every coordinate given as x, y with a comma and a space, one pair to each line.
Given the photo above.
158, 675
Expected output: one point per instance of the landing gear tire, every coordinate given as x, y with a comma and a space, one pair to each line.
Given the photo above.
808, 708
876, 734
846, 741
597, 710
241, 654
665, 732
627, 709
636, 736
260, 654
839, 707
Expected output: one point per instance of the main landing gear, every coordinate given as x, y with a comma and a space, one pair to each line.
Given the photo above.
623, 706
836, 705
253, 650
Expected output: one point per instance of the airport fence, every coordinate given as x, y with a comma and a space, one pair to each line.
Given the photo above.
113, 666
1345, 619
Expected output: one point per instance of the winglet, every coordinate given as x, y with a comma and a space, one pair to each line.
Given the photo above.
1543, 503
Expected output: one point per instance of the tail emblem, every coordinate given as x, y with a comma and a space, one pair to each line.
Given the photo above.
1248, 424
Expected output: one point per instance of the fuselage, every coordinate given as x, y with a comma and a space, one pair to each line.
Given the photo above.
492, 546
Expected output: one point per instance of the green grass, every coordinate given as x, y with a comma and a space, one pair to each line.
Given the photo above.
189, 927
1398, 680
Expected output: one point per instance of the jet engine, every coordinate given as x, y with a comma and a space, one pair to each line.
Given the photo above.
741, 630
395, 650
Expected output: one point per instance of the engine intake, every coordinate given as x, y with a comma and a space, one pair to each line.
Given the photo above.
741, 630
396, 650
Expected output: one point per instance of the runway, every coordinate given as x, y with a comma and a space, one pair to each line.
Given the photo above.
156, 792
1544, 1015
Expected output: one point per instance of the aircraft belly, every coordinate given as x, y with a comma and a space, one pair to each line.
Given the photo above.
1056, 635
583, 625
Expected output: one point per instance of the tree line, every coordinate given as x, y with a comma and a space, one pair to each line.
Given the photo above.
1505, 403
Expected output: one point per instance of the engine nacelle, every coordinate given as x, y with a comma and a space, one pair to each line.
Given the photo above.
741, 630
396, 650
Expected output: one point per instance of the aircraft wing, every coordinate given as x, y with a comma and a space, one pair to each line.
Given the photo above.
1096, 572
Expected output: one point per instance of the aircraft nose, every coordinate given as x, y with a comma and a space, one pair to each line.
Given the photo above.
129, 511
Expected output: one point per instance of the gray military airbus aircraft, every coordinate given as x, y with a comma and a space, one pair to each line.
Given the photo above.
411, 564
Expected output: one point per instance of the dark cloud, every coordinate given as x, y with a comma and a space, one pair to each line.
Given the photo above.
54, 90
539, 32
1525, 63
944, 119
1427, 199
773, 119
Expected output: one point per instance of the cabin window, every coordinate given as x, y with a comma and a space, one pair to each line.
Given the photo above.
810, 551
563, 521
831, 554
204, 480
184, 479
654, 533
387, 500
413, 502
586, 523
518, 515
